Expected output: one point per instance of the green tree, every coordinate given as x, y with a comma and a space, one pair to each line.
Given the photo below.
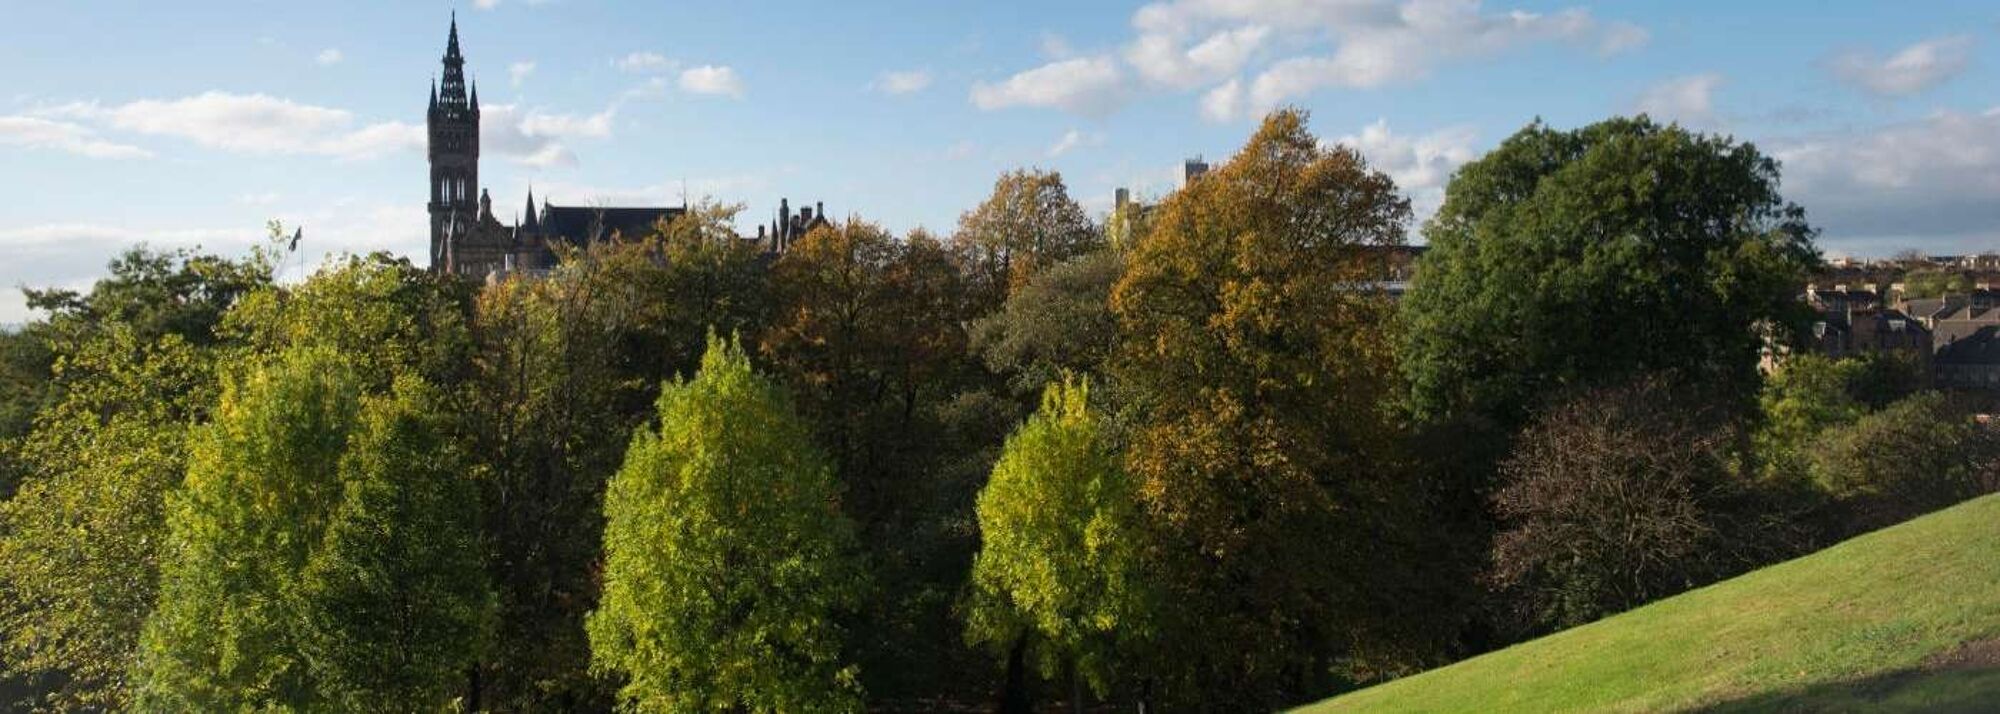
566, 367
107, 386
1808, 394
263, 480
1571, 258
1059, 564
1059, 322
322, 555
1934, 283
394, 600
1913, 457
727, 560
1254, 351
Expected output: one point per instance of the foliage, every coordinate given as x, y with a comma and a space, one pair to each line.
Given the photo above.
321, 555
1028, 223
869, 335
79, 560
1618, 497
1059, 559
1059, 322
1915, 456
727, 557
262, 481
1568, 258
386, 315
155, 293
110, 380
554, 404
394, 601
1254, 346
1808, 394
1851, 628
1935, 283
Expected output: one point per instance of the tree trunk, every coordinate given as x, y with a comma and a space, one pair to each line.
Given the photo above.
1014, 698
1075, 689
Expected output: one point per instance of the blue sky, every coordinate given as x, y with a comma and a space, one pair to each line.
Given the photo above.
195, 122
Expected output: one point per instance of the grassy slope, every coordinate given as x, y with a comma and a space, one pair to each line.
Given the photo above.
1856, 626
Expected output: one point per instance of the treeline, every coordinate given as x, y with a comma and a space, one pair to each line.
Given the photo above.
1196, 457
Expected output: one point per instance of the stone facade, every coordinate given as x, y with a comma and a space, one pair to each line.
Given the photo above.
467, 239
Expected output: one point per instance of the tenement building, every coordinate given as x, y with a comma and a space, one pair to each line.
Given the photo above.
467, 239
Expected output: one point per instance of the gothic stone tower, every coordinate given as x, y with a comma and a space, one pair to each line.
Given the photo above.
454, 155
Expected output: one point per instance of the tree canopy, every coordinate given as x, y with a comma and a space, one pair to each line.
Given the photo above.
727, 558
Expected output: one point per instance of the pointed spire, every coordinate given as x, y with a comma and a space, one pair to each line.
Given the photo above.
530, 222
451, 46
475, 92
434, 92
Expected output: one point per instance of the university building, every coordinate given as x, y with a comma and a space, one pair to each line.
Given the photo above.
467, 239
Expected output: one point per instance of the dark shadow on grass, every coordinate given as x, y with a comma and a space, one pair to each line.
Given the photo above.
1911, 690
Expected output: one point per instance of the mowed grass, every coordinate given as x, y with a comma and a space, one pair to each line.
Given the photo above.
1903, 619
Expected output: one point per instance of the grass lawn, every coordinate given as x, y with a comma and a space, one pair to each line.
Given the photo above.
1903, 619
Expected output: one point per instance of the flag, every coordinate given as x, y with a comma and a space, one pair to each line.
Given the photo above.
296, 235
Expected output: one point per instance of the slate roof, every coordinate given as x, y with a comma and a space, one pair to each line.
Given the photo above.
1975, 346
579, 224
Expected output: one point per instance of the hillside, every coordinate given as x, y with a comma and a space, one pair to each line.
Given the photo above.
1903, 619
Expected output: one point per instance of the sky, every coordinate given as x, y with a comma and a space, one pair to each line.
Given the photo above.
195, 123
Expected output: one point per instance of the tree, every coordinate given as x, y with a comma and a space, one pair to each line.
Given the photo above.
1253, 346
1913, 457
1935, 283
322, 554
1569, 258
1059, 322
1028, 223
559, 383
80, 542
263, 479
727, 559
395, 600
106, 387
1058, 571
1621, 496
1808, 394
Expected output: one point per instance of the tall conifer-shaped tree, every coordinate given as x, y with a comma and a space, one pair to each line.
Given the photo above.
727, 558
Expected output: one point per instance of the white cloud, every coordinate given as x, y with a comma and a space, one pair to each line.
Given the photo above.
518, 72
251, 124
1085, 85
903, 82
328, 57
35, 132
1071, 140
1223, 103
1421, 165
645, 62
1933, 178
536, 138
712, 79
1914, 69
1688, 100
1351, 44
485, 4
1162, 60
